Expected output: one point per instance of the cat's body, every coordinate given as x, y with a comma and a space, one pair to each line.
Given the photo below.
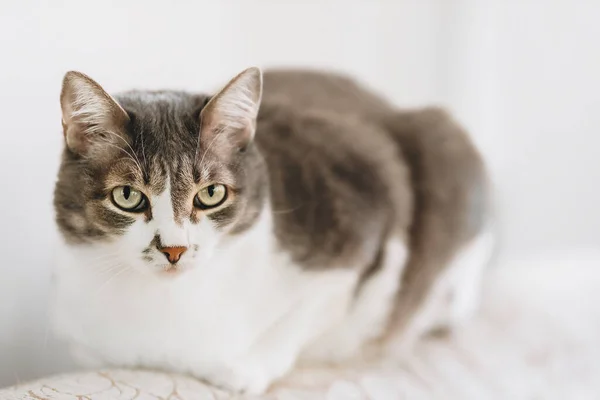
344, 220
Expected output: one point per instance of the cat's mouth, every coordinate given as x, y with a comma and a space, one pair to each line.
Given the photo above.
171, 271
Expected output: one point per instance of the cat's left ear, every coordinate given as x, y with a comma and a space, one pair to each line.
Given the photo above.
229, 118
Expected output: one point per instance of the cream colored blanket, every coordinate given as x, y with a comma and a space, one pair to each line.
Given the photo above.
537, 337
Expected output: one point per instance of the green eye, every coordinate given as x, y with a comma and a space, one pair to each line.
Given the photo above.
211, 196
128, 199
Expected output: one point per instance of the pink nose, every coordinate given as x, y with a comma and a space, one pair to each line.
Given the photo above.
173, 254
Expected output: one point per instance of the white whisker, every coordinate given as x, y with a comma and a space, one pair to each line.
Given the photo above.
130, 148
130, 156
143, 150
217, 134
111, 279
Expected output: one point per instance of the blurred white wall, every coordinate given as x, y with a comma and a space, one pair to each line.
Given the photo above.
521, 75
524, 76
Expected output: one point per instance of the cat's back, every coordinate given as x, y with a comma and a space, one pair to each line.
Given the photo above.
447, 172
337, 181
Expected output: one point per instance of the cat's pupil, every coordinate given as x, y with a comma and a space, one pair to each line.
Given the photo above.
211, 190
126, 192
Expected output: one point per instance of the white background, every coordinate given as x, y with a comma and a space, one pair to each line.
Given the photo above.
523, 76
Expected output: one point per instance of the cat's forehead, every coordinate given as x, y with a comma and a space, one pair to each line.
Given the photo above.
164, 122
164, 125
164, 133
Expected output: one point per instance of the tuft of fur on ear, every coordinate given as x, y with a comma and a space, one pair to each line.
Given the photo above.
230, 115
92, 120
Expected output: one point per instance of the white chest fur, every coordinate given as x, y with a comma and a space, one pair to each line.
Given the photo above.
241, 321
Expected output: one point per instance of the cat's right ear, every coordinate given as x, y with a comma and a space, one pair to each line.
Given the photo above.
92, 120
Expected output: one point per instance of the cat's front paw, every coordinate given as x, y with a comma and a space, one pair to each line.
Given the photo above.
241, 378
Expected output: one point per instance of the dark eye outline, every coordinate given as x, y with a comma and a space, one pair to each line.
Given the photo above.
140, 207
199, 204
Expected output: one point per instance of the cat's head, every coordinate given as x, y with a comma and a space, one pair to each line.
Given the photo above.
158, 180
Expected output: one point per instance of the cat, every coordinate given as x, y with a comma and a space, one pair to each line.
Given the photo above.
289, 217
